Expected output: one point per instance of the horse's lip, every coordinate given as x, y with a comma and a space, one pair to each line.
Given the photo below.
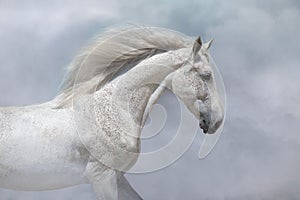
204, 128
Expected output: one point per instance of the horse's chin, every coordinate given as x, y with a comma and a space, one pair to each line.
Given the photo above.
213, 129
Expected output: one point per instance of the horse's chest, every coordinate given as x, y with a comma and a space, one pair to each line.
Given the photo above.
115, 122
108, 135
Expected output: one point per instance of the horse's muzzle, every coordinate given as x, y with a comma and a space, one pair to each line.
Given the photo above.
204, 125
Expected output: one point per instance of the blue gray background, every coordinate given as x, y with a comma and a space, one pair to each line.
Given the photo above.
256, 48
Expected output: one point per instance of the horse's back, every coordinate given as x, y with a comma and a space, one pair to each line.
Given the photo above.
16, 120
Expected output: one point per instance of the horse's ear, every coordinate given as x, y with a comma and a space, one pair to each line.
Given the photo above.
197, 45
207, 45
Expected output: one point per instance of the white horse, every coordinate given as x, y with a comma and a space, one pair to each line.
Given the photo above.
90, 132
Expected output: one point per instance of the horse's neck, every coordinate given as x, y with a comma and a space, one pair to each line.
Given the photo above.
134, 89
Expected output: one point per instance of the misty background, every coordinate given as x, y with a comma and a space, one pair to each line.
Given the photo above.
256, 47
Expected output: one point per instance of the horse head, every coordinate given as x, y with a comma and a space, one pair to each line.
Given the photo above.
194, 83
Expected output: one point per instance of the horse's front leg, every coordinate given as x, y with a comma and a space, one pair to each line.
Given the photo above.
103, 180
125, 190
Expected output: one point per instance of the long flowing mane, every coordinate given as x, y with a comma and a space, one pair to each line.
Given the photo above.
111, 52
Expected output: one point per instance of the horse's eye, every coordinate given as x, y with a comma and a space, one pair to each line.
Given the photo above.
206, 76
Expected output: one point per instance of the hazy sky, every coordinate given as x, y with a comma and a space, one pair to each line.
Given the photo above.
256, 47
